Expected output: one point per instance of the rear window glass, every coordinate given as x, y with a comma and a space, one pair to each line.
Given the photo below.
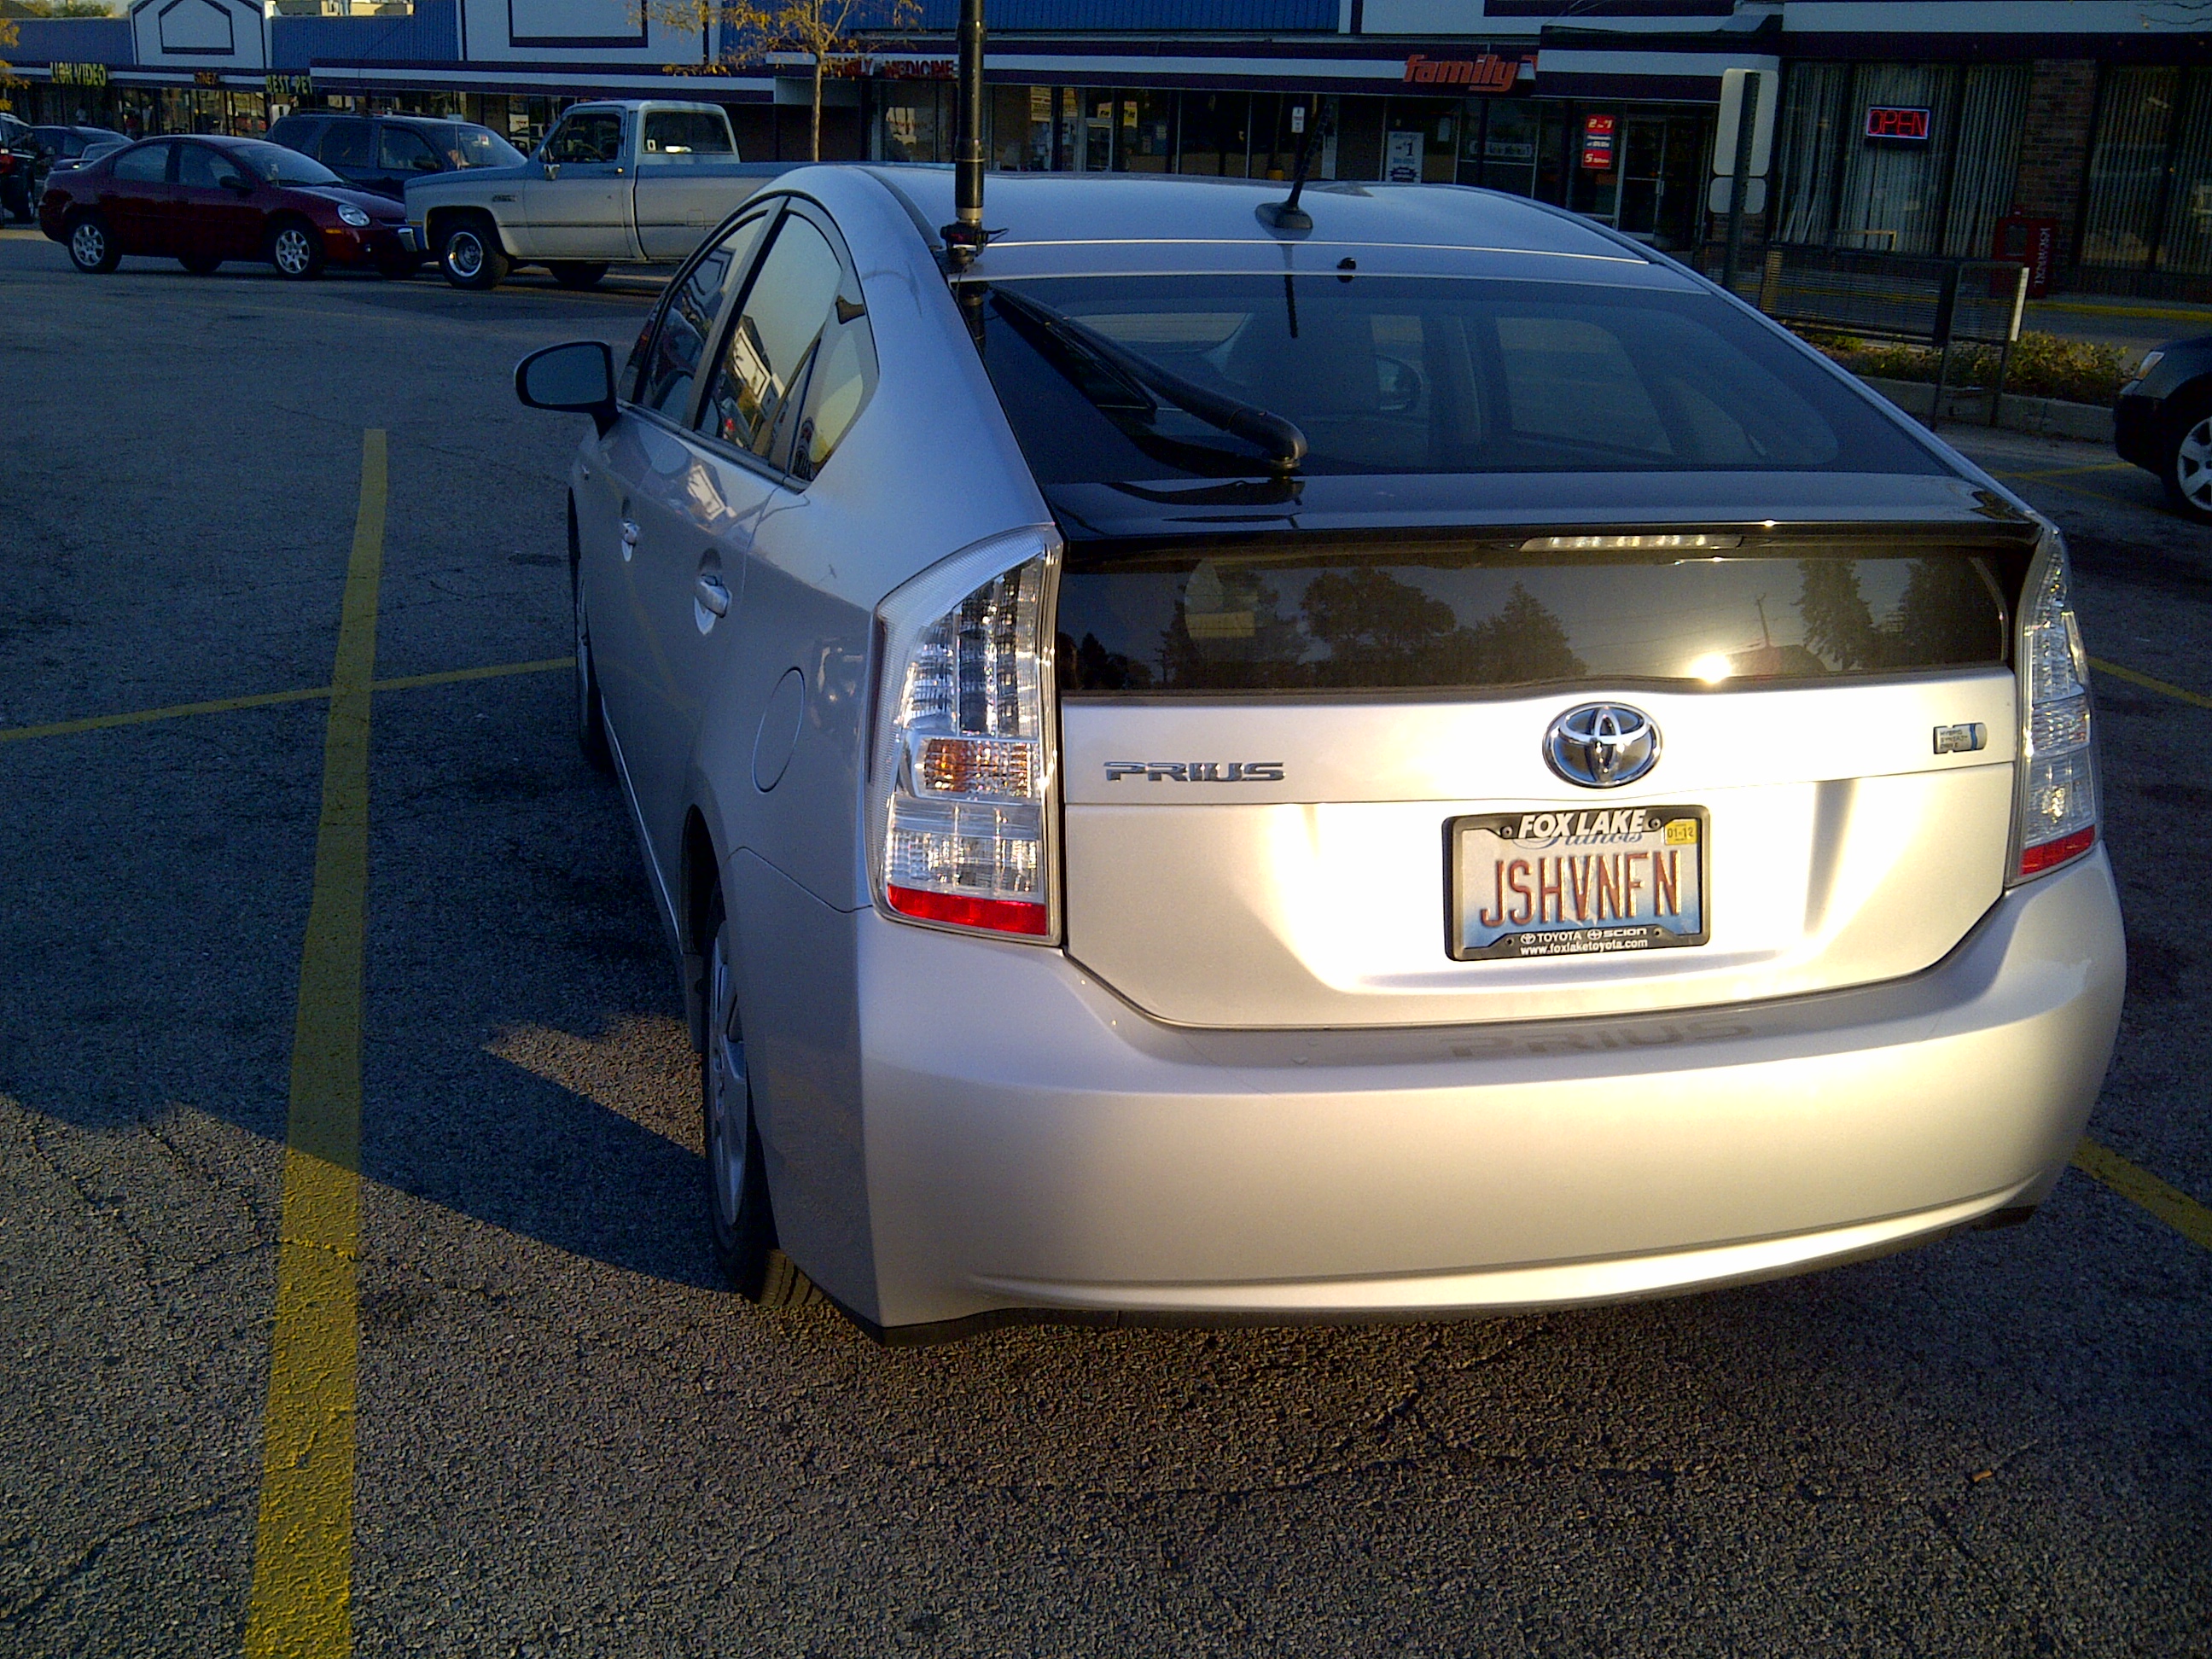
1421, 375
676, 132
1443, 618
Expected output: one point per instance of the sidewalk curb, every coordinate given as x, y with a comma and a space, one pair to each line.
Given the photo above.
2046, 418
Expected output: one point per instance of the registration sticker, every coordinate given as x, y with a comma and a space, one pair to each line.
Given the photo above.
1575, 882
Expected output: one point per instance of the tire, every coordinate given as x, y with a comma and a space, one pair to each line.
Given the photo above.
2187, 473
200, 264
739, 1222
469, 254
591, 710
295, 248
570, 273
91, 247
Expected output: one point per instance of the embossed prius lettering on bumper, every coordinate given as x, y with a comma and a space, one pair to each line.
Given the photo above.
1196, 771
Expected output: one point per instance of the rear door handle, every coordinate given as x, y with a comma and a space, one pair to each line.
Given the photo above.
713, 594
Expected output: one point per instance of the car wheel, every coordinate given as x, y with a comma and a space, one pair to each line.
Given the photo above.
295, 248
591, 711
91, 249
470, 255
571, 273
199, 264
2187, 472
737, 1216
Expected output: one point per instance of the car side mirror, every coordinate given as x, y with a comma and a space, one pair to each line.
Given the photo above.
576, 378
552, 169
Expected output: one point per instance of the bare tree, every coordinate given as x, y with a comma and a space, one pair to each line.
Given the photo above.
824, 31
698, 17
8, 37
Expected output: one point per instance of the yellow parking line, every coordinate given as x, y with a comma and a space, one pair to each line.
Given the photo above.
301, 1603
175, 711
2139, 1186
2162, 687
456, 676
263, 699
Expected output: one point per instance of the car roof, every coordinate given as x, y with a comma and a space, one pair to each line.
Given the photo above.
1034, 216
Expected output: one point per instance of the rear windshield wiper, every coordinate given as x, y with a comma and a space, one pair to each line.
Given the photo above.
1284, 445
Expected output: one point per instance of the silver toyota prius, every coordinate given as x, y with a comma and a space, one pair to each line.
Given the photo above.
1200, 766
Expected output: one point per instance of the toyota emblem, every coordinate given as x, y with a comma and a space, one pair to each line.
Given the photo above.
1602, 745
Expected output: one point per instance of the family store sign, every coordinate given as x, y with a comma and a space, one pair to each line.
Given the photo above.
1488, 73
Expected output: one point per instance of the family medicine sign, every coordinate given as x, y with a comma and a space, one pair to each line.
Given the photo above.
1488, 73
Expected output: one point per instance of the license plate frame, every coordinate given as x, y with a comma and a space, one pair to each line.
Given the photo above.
1476, 873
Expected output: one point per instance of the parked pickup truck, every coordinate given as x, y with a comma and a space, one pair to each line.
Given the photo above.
615, 183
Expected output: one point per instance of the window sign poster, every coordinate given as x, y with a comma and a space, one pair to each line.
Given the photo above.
1597, 142
1402, 165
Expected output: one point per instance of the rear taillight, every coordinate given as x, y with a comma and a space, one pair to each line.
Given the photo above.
2055, 814
960, 799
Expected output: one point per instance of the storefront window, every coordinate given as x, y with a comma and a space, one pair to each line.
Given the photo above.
1499, 152
1143, 132
2186, 242
1420, 141
1942, 193
2127, 166
1216, 133
915, 122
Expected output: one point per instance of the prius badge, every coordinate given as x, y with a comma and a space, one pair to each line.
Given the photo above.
1602, 746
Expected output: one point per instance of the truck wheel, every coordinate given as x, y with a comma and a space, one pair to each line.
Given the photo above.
295, 248
2188, 470
470, 255
91, 249
571, 273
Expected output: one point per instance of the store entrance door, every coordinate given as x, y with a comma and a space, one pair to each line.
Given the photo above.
1661, 165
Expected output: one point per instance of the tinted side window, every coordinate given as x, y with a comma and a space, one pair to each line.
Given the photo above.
401, 150
594, 136
771, 343
672, 360
149, 164
199, 168
685, 132
346, 144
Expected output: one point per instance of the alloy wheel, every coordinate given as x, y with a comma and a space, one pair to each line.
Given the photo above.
2193, 464
728, 1092
87, 244
291, 251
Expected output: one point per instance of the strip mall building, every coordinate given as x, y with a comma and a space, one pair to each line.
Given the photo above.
1911, 126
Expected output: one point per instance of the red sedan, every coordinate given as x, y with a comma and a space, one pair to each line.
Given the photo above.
203, 200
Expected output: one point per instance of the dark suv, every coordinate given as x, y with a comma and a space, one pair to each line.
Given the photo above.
381, 153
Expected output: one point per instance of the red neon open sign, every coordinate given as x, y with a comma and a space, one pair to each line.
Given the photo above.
1884, 123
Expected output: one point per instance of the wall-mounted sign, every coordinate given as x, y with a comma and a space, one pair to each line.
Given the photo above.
207, 77
80, 75
1597, 142
1910, 125
291, 86
1488, 73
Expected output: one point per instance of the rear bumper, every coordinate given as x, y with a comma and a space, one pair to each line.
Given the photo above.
1025, 1140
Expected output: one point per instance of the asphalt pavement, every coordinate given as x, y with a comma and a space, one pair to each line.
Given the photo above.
568, 1439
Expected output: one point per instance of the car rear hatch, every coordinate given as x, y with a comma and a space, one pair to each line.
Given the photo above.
1350, 776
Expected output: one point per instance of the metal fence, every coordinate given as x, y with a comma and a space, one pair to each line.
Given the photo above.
1912, 298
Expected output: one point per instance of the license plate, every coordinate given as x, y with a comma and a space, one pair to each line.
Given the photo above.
1557, 884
